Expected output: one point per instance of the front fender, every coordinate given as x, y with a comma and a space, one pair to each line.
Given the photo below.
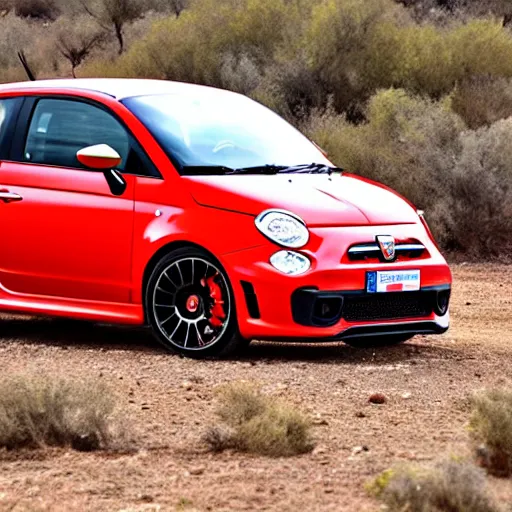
220, 232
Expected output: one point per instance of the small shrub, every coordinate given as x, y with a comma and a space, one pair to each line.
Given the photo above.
491, 425
258, 424
483, 100
448, 486
241, 403
37, 412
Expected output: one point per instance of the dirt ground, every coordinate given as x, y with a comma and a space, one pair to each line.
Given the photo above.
168, 401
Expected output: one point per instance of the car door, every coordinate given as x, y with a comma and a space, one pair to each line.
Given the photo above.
63, 232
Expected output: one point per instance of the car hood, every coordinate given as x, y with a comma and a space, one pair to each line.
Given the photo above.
321, 200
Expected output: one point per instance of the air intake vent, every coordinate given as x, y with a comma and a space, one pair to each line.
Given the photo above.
250, 299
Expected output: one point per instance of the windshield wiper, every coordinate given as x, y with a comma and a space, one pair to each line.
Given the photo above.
259, 169
310, 169
287, 169
219, 170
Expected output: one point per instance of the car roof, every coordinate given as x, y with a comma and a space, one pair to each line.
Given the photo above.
119, 88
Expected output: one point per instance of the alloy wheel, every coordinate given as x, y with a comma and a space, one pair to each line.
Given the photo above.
191, 303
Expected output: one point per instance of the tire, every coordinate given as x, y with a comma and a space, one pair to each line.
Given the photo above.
378, 341
190, 306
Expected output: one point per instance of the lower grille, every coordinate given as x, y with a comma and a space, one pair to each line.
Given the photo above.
318, 308
389, 306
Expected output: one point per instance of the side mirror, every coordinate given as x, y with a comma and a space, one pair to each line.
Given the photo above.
101, 157
105, 158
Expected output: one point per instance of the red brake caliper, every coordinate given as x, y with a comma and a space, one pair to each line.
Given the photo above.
218, 315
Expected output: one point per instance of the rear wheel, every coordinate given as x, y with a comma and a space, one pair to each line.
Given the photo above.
190, 305
378, 341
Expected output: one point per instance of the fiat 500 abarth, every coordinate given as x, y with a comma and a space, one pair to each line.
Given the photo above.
204, 215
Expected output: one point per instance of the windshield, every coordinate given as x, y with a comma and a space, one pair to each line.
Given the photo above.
222, 130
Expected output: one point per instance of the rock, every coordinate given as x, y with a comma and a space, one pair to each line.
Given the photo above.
377, 398
360, 414
357, 449
320, 450
187, 385
318, 420
199, 470
406, 396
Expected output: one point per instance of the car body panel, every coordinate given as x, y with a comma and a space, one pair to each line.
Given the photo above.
73, 249
66, 212
320, 200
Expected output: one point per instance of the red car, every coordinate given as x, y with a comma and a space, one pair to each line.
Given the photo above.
204, 215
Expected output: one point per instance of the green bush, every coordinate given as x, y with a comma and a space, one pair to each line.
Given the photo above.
351, 44
205, 42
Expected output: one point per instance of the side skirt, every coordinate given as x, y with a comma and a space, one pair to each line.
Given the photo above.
110, 312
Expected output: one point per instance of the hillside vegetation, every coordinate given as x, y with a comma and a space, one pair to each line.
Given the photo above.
416, 94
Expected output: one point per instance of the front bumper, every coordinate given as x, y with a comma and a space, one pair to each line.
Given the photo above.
273, 306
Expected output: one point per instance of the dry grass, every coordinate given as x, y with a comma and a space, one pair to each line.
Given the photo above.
39, 411
491, 426
258, 424
448, 486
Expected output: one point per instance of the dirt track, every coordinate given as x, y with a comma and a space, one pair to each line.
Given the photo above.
426, 381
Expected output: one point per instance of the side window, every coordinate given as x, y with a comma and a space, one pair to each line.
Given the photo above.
60, 128
7, 110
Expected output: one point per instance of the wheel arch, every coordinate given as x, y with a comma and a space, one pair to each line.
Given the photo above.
160, 253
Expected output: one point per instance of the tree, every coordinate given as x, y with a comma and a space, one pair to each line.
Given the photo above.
75, 45
114, 15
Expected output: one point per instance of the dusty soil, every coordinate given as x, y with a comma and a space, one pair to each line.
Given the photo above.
168, 401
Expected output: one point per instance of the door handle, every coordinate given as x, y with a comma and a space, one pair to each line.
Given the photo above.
9, 197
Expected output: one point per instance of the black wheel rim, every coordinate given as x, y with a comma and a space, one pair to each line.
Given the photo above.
191, 304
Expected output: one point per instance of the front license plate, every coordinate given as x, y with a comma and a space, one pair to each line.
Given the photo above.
393, 281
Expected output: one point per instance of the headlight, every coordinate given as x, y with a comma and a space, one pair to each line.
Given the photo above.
290, 262
283, 228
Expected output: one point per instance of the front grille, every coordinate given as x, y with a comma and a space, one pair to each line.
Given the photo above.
361, 252
389, 306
